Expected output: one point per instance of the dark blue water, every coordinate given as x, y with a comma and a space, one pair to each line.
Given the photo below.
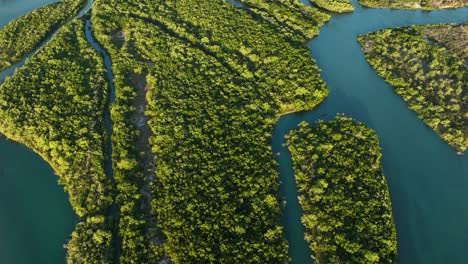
428, 181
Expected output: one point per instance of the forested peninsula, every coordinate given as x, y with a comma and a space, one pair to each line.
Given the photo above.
427, 67
54, 105
199, 85
414, 4
339, 6
22, 35
343, 193
293, 18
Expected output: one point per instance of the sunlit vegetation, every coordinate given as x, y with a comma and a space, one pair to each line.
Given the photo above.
343, 193
140, 239
453, 37
22, 35
293, 18
414, 4
54, 105
91, 242
427, 68
215, 79
339, 6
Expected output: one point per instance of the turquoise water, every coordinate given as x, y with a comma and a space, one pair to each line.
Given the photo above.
11, 9
428, 182
35, 216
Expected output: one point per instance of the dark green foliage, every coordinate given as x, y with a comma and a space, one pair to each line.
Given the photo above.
140, 242
453, 37
215, 79
54, 105
343, 193
414, 4
339, 6
290, 16
24, 34
428, 76
215, 181
90, 242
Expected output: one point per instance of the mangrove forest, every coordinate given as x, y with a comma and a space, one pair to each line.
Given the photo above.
427, 67
343, 193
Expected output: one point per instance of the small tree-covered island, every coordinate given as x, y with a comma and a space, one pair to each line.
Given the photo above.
414, 4
343, 193
427, 66
158, 119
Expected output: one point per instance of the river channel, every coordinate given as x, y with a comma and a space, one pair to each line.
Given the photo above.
36, 219
428, 182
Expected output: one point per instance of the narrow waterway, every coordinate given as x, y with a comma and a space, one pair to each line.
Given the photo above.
36, 218
26, 9
111, 96
428, 182
11, 9
108, 125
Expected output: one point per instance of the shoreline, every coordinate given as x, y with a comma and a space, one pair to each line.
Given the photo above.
416, 7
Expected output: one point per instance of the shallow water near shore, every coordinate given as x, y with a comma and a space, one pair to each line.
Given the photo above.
35, 216
428, 181
36, 219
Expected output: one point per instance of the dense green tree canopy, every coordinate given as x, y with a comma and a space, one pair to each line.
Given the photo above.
339, 6
427, 67
290, 16
198, 87
22, 35
54, 104
453, 37
343, 193
414, 4
214, 78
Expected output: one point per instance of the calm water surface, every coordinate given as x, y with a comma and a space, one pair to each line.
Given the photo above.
10, 9
428, 182
35, 216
